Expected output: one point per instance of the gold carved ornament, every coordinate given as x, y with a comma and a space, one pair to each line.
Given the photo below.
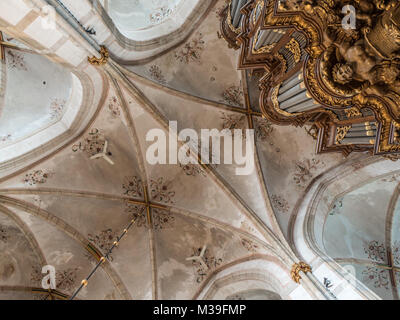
297, 268
297, 21
258, 9
353, 113
313, 131
283, 61
100, 61
229, 20
264, 49
294, 115
375, 103
275, 103
341, 133
386, 121
294, 47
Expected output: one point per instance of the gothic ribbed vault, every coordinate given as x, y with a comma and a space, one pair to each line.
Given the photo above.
62, 205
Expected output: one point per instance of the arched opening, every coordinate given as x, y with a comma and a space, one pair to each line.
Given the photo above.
46, 89
136, 15
39, 100
367, 219
342, 219
142, 20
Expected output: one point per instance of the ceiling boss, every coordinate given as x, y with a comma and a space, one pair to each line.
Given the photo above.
331, 64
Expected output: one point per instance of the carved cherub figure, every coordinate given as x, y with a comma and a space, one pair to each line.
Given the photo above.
359, 59
385, 4
375, 78
360, 64
342, 73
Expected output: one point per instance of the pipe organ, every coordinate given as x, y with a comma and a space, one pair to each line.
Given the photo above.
344, 83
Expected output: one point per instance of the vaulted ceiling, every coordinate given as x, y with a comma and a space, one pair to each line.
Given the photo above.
367, 221
35, 94
66, 209
140, 14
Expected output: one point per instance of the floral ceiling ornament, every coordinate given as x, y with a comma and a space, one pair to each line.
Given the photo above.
376, 251
65, 279
337, 207
379, 277
191, 51
37, 177
156, 74
193, 170
280, 203
36, 275
233, 121
16, 60
93, 144
138, 213
104, 240
263, 128
160, 191
161, 14
114, 107
57, 107
233, 96
133, 187
249, 245
204, 262
305, 171
162, 219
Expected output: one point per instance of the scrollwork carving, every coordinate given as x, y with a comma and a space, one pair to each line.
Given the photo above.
297, 268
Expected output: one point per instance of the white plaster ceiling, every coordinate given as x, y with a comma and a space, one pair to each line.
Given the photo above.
134, 15
203, 66
367, 220
36, 95
79, 198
